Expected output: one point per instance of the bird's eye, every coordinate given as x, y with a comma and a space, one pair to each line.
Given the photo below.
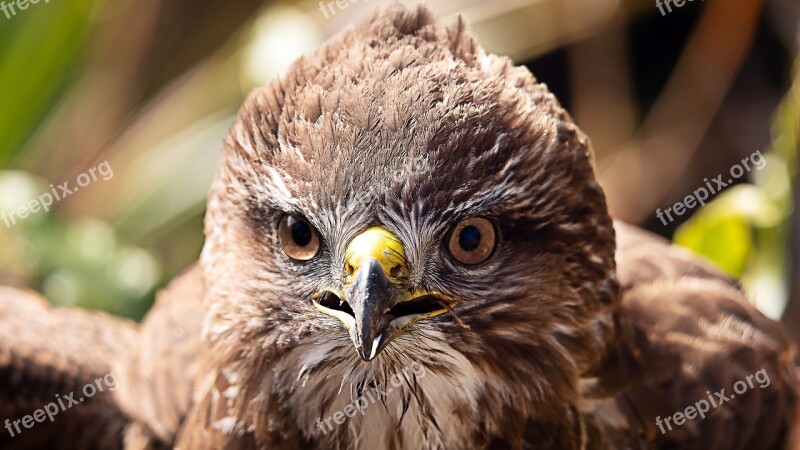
298, 238
472, 240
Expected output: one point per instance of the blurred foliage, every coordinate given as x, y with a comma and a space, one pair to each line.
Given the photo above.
49, 60
73, 262
146, 222
745, 229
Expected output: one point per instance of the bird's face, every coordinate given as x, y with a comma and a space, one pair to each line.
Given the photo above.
376, 302
401, 204
471, 220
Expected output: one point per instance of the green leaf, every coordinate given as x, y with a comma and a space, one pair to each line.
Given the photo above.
39, 47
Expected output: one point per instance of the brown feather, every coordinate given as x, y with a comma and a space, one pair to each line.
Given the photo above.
46, 351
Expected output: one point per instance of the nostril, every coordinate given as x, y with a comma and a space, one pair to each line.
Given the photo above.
349, 268
396, 271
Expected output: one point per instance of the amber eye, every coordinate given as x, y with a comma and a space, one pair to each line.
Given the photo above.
472, 240
298, 238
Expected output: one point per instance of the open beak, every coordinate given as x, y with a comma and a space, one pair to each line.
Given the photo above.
374, 306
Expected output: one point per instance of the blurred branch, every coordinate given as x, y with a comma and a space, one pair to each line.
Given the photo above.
520, 29
638, 177
50, 60
136, 59
603, 102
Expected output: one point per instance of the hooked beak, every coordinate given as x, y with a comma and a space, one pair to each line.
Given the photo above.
376, 308
371, 296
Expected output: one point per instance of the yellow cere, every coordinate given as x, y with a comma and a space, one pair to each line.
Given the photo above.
380, 244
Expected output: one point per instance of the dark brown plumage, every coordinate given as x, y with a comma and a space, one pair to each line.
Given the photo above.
569, 332
45, 353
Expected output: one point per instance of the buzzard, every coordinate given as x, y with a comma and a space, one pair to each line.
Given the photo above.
407, 248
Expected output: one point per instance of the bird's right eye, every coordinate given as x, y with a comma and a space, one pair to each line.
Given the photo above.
299, 240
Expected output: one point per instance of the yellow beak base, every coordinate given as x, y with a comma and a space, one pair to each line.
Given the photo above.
379, 244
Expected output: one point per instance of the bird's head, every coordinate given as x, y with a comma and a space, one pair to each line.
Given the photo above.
401, 192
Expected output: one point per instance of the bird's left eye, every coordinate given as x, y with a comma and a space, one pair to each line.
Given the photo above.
298, 238
472, 241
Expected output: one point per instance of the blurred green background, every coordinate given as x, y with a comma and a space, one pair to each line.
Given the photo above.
151, 87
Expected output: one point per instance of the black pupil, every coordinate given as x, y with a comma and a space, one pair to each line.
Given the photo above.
469, 238
301, 232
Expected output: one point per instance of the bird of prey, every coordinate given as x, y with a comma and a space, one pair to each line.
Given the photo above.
407, 248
